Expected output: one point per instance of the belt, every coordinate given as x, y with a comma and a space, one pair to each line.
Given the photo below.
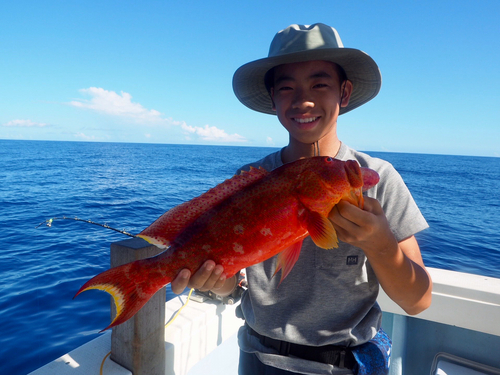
339, 356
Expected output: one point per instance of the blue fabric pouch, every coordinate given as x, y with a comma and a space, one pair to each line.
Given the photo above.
373, 357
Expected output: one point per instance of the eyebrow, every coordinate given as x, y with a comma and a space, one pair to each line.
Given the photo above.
319, 74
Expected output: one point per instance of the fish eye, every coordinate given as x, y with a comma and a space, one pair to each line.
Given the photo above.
329, 158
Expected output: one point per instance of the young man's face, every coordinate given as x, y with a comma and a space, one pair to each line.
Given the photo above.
306, 98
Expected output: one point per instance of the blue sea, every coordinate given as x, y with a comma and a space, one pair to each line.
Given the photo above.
128, 186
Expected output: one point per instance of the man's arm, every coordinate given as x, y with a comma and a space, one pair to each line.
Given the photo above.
399, 266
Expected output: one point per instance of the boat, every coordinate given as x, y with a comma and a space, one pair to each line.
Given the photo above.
459, 334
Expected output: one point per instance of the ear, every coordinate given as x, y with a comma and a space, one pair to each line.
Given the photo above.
346, 93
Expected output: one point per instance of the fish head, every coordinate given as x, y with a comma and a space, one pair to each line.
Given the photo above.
335, 171
339, 180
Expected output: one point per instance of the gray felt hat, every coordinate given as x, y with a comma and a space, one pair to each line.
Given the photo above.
299, 43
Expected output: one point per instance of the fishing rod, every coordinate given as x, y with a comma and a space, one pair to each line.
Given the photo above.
48, 223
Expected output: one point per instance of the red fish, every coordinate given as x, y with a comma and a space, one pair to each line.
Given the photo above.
240, 222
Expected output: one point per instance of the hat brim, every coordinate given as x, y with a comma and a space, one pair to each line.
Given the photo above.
249, 86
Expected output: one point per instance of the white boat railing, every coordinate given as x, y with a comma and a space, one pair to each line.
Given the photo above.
462, 319
459, 299
142, 345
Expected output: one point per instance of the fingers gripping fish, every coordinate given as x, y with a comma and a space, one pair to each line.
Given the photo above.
240, 222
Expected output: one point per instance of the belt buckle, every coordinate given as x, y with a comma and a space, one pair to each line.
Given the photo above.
284, 348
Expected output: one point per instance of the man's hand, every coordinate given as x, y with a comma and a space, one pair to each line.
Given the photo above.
365, 228
399, 266
209, 277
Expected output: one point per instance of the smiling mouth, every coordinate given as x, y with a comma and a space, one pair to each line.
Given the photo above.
306, 120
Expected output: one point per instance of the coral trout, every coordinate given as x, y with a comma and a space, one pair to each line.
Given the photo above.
243, 221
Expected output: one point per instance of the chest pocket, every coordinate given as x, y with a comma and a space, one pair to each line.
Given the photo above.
343, 258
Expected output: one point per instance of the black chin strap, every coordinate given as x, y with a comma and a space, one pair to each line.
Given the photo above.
316, 148
316, 144
342, 94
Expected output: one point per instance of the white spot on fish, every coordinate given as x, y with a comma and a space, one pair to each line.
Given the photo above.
266, 232
238, 248
182, 254
238, 229
207, 248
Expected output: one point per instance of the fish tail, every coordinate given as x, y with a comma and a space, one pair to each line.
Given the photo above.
131, 285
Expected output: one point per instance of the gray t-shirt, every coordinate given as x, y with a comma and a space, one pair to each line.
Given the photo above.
329, 297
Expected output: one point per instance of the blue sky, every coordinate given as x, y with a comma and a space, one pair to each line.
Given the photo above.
161, 71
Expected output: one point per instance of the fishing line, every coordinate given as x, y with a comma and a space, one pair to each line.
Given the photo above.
48, 223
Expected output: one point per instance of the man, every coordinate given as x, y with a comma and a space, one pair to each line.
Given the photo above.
324, 319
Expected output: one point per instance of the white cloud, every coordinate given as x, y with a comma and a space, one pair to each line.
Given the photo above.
121, 105
269, 141
25, 124
212, 133
111, 103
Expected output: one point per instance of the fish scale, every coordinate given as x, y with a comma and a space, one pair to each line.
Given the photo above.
180, 216
240, 222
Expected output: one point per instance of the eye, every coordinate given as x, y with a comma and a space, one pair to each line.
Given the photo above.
329, 159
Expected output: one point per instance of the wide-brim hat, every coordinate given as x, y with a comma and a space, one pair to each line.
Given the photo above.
298, 43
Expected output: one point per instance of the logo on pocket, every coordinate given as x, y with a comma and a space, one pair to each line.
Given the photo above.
352, 260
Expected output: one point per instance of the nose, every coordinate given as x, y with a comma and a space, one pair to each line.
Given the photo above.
302, 100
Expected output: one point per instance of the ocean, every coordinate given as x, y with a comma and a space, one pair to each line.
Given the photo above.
127, 186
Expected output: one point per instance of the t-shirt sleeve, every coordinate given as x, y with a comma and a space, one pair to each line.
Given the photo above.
403, 214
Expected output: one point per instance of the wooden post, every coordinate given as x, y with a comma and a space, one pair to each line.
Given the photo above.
139, 343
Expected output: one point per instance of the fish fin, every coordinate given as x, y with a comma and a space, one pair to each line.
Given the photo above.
321, 230
287, 259
370, 178
355, 197
353, 172
168, 226
356, 179
129, 286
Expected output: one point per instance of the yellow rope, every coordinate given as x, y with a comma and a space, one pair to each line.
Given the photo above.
178, 311
166, 325
102, 363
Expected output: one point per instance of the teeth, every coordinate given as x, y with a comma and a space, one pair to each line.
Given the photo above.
306, 120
